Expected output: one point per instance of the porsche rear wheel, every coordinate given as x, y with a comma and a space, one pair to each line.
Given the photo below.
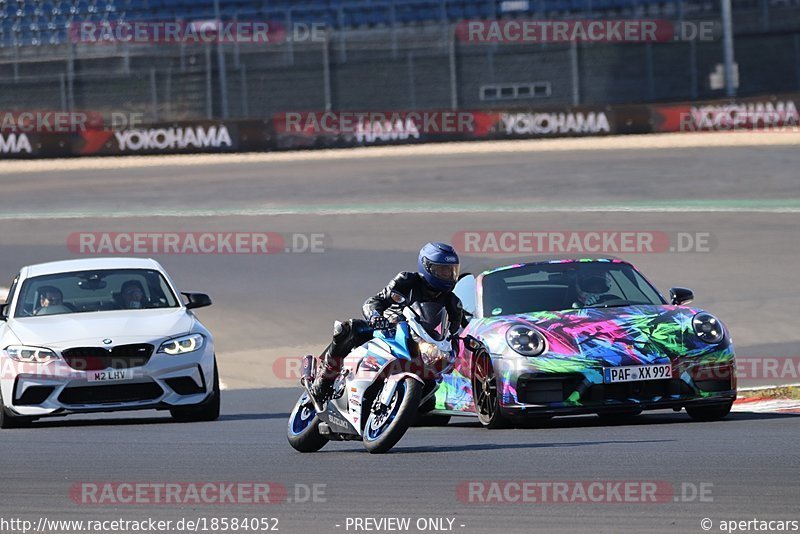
485, 393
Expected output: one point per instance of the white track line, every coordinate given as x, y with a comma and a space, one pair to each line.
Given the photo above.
720, 207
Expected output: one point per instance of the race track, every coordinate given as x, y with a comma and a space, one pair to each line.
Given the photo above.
375, 212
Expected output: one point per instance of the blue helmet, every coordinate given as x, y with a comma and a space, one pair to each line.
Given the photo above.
439, 265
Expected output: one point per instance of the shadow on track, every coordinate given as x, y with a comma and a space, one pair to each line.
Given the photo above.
128, 421
592, 421
496, 446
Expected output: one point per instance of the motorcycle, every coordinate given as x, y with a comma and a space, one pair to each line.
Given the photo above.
381, 386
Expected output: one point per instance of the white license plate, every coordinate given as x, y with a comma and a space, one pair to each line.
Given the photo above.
110, 375
636, 373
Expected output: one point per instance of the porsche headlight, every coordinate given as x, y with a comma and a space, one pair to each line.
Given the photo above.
526, 340
22, 353
708, 328
182, 345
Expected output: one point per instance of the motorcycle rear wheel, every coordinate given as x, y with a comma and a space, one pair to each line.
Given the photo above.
303, 430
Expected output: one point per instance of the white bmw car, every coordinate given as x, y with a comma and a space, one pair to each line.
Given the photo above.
103, 335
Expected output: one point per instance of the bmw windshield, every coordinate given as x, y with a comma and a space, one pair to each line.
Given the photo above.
91, 291
564, 286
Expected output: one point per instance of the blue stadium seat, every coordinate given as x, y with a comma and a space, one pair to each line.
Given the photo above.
37, 22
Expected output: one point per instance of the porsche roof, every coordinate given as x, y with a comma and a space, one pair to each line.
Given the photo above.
487, 266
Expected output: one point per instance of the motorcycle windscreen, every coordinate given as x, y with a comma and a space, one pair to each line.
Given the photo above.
433, 317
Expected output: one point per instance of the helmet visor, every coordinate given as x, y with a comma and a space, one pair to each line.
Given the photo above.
445, 271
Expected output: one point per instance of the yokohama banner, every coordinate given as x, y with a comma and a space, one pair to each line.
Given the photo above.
363, 128
38, 134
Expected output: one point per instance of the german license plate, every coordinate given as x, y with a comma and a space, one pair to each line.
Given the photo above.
636, 373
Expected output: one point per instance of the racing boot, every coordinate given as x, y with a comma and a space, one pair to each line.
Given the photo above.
322, 387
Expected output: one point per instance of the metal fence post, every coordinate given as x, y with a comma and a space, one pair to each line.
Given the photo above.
651, 79
223, 70
694, 79
326, 70
71, 79
62, 82
168, 93
797, 57
412, 83
243, 81
727, 42
290, 37
576, 73
209, 108
154, 93
453, 72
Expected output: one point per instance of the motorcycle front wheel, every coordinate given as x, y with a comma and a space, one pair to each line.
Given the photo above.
303, 431
387, 424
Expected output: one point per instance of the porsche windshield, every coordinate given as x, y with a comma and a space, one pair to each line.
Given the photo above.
91, 291
565, 286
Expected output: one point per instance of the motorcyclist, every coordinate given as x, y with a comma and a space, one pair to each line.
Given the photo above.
438, 268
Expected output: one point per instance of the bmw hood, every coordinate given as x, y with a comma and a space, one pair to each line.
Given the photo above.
54, 330
630, 335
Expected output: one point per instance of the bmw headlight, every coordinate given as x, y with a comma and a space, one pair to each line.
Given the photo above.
182, 345
708, 328
526, 340
25, 354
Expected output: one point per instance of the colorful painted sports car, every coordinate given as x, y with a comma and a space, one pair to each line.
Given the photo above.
564, 337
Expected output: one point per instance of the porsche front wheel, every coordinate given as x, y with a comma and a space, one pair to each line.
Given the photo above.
485, 393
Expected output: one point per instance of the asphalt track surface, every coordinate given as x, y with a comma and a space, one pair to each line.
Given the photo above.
375, 213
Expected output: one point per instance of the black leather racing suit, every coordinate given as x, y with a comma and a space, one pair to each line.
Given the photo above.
354, 332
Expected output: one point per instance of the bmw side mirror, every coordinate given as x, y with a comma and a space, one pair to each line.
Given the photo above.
3, 312
197, 300
681, 295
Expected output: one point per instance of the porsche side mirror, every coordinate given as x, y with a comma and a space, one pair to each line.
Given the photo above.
465, 291
197, 300
681, 295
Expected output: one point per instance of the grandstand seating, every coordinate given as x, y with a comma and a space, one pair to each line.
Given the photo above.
43, 22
